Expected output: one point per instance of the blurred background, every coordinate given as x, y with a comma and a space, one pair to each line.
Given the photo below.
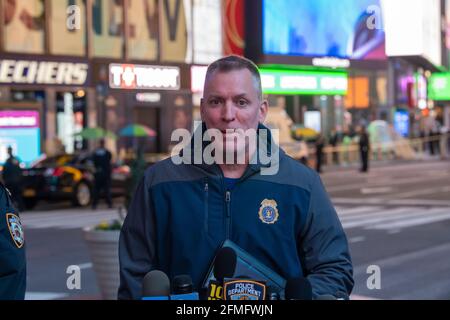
75, 72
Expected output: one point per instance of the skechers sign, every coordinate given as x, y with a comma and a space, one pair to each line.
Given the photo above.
43, 72
130, 76
279, 81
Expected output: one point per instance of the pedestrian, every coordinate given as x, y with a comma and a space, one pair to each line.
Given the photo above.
138, 166
13, 265
335, 140
102, 176
346, 145
364, 149
279, 212
13, 178
320, 144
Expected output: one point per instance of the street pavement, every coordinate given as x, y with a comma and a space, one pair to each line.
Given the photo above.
396, 217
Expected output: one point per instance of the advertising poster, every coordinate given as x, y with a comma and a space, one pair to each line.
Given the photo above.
173, 30
24, 23
233, 26
20, 131
143, 20
107, 24
68, 27
207, 44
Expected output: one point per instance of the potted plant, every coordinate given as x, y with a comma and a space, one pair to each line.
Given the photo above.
103, 246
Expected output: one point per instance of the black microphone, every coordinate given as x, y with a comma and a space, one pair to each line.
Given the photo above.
298, 289
224, 267
155, 286
225, 264
183, 288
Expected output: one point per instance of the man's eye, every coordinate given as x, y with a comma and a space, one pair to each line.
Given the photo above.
242, 102
214, 102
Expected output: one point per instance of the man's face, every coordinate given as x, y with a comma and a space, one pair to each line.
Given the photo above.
231, 101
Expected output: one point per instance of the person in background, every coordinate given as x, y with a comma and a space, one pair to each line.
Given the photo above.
335, 140
102, 162
320, 144
364, 148
12, 177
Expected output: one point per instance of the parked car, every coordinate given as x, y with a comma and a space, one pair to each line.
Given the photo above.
68, 177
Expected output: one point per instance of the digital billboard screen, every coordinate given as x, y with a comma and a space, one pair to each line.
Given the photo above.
20, 131
348, 29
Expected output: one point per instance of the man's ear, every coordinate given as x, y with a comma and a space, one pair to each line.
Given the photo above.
263, 109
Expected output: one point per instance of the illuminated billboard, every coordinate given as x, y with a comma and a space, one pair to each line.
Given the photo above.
413, 28
439, 86
348, 29
281, 81
20, 131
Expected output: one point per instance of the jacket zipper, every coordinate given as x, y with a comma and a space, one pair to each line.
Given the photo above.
228, 205
206, 207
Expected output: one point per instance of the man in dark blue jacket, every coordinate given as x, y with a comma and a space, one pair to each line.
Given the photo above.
279, 212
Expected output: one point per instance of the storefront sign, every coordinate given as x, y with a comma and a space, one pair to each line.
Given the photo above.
198, 75
43, 72
19, 119
148, 97
439, 86
130, 76
278, 81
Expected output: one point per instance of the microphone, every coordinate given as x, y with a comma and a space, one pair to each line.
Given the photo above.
298, 289
182, 288
155, 286
225, 264
224, 267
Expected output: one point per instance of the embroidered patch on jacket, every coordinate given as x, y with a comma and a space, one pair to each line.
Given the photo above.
268, 212
15, 229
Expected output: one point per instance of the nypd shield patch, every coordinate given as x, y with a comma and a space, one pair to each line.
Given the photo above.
15, 229
268, 212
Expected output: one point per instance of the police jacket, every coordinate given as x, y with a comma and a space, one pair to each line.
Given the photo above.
12, 251
182, 213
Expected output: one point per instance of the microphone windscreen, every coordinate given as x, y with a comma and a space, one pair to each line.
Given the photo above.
225, 263
182, 284
155, 284
298, 289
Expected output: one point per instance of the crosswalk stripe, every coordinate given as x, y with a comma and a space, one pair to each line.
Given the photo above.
66, 217
352, 211
64, 220
378, 214
415, 222
388, 220
63, 215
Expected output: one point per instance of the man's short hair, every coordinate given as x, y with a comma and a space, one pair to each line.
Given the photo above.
232, 63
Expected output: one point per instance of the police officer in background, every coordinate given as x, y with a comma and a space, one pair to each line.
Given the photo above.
12, 250
12, 177
364, 149
102, 162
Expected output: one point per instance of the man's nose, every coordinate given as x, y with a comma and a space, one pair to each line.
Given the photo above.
228, 112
